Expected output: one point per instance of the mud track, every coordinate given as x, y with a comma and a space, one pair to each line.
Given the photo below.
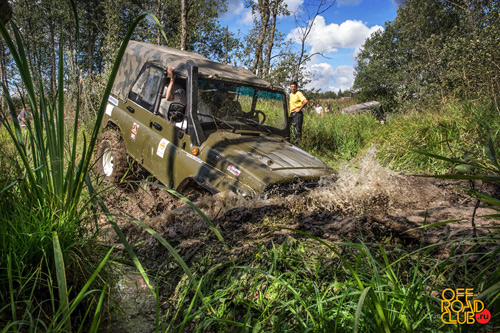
367, 203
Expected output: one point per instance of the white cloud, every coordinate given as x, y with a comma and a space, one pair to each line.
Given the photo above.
326, 38
234, 8
293, 5
246, 17
327, 78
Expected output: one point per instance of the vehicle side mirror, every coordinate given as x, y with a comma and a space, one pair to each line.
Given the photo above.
176, 112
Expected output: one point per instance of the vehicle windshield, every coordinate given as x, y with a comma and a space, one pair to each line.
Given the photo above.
236, 106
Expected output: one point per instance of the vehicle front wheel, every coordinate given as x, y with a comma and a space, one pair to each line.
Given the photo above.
112, 156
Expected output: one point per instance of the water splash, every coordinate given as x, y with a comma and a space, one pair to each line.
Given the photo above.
365, 189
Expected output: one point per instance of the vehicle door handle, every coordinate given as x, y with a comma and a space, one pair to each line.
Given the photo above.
155, 125
130, 109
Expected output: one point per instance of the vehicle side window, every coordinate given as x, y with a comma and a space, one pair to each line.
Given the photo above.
146, 89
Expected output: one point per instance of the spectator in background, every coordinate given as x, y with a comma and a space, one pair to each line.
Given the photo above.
319, 110
23, 116
297, 102
327, 109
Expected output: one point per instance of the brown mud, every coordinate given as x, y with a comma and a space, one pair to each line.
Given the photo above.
366, 203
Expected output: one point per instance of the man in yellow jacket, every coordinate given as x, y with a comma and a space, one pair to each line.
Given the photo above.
297, 102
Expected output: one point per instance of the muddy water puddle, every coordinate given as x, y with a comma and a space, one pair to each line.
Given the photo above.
136, 306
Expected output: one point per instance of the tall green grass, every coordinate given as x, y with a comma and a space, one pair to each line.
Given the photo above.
50, 256
454, 131
338, 136
301, 285
310, 286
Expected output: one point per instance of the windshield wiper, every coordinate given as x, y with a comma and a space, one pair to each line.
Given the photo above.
253, 123
233, 129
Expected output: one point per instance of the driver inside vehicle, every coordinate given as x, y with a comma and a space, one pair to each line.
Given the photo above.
229, 106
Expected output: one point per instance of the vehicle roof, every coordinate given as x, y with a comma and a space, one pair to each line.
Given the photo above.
139, 53
361, 107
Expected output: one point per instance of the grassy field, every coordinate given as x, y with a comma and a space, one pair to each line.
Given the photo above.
457, 131
55, 274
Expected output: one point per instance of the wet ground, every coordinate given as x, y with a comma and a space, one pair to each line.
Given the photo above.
366, 202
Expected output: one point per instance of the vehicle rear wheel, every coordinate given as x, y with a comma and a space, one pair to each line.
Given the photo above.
112, 156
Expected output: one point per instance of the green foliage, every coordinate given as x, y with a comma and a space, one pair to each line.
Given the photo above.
337, 136
432, 51
51, 205
326, 95
299, 285
309, 285
451, 132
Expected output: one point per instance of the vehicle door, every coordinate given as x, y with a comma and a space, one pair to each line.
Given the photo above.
141, 102
168, 147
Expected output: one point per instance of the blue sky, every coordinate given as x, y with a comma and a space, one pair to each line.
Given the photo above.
337, 34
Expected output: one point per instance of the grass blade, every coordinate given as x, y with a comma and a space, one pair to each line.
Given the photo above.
61, 280
359, 307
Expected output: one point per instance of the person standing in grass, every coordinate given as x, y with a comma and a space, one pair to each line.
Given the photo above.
319, 110
22, 116
297, 102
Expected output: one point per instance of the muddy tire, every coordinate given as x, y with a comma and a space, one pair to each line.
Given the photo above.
111, 156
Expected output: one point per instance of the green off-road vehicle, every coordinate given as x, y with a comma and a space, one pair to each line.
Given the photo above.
229, 133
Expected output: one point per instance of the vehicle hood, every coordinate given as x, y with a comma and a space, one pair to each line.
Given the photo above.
276, 155
261, 160
272, 151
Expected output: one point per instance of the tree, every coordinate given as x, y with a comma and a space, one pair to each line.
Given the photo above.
263, 36
5, 11
432, 51
277, 7
183, 24
304, 21
5, 15
188, 24
282, 69
379, 70
263, 8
